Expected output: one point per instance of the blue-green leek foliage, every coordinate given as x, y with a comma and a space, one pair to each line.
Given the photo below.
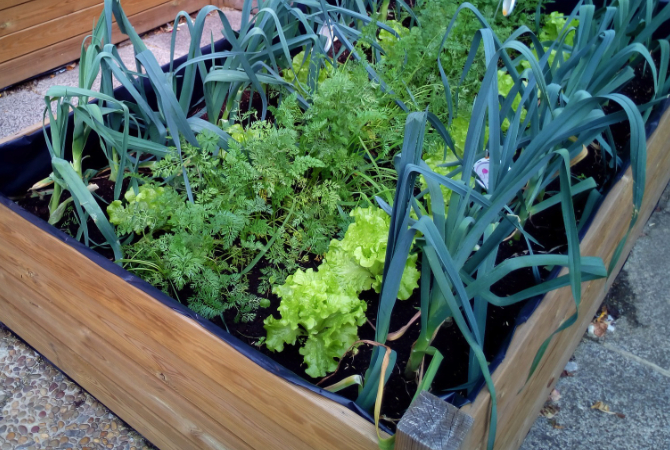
563, 91
132, 132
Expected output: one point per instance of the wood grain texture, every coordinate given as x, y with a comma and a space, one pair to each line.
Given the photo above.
238, 4
35, 12
50, 56
4, 4
519, 405
177, 384
179, 397
53, 31
430, 423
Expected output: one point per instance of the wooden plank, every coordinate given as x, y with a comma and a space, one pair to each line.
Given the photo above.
81, 22
91, 377
4, 4
35, 12
63, 52
126, 348
430, 423
519, 405
238, 4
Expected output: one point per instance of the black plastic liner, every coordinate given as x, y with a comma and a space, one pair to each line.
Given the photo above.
26, 160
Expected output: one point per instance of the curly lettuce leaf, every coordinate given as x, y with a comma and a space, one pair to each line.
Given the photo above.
315, 305
280, 332
553, 25
408, 282
323, 307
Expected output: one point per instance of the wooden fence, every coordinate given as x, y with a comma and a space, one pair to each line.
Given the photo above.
40, 35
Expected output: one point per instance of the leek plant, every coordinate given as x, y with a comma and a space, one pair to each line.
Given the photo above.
563, 91
132, 133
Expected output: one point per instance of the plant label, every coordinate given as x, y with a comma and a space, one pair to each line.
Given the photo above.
482, 170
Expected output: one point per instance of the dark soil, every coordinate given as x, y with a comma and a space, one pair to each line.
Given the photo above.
39, 206
546, 227
335, 51
641, 91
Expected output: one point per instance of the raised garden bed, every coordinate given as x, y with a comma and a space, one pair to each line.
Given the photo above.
171, 376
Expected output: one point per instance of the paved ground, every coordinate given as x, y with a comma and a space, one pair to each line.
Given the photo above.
40, 408
627, 370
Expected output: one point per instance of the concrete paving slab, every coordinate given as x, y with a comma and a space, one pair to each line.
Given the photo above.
637, 392
628, 368
644, 327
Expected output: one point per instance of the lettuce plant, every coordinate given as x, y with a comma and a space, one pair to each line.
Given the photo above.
554, 28
150, 208
322, 307
365, 243
301, 68
324, 314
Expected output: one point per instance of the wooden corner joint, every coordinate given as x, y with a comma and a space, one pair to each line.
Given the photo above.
431, 423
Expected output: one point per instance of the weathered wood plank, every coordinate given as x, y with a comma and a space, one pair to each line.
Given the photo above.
95, 377
34, 38
519, 405
35, 12
238, 4
430, 423
125, 347
51, 56
4, 4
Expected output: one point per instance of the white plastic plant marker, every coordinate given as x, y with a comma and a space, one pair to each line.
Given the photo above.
508, 7
327, 31
481, 168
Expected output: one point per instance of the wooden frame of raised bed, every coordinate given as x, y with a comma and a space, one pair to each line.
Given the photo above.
184, 388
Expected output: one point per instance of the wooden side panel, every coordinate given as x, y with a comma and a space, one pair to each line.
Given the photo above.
4, 4
37, 12
519, 405
177, 384
66, 26
48, 45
